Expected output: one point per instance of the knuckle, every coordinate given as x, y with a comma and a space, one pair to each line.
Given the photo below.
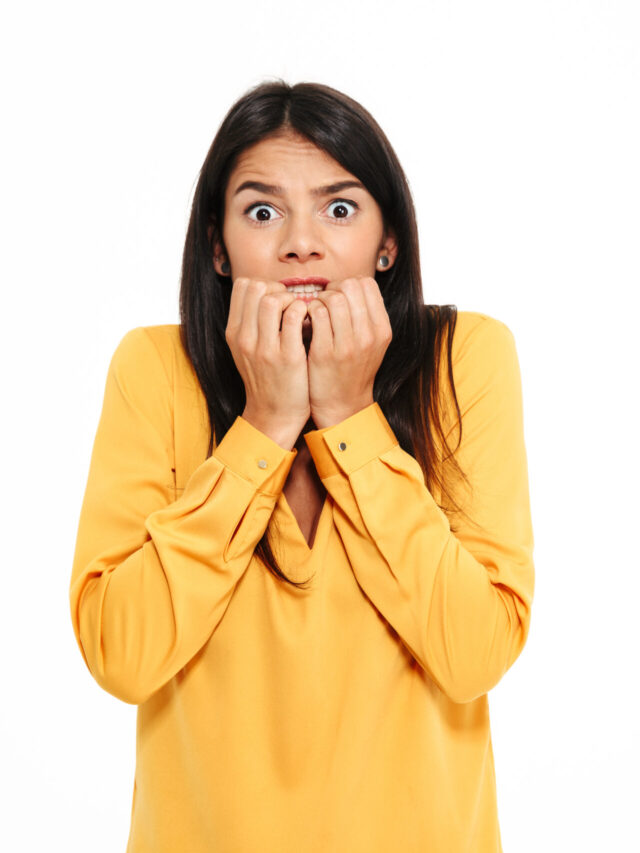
264, 353
244, 345
289, 315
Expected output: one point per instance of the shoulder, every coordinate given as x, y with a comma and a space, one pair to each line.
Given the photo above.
154, 353
484, 364
479, 335
483, 347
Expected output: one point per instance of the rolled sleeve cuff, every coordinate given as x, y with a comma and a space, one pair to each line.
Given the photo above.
255, 457
350, 444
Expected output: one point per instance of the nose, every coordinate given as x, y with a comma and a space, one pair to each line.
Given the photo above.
301, 240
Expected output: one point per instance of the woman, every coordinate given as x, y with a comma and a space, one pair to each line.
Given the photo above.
329, 694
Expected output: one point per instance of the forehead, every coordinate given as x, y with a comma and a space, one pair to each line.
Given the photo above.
289, 158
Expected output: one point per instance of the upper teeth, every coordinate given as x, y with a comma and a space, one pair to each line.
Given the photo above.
305, 288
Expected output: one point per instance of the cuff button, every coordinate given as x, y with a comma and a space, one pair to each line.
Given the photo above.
342, 446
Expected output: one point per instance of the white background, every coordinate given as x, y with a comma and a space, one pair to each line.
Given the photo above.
517, 124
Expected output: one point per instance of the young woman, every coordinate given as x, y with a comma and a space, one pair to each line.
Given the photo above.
305, 548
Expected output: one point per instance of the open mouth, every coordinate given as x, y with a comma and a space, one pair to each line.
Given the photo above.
307, 296
308, 283
305, 289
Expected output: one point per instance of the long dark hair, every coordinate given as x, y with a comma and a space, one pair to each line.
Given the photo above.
406, 385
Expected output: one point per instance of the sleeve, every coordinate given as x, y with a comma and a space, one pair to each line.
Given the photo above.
460, 603
152, 576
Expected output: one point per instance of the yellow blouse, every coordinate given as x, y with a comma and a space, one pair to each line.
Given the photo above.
351, 717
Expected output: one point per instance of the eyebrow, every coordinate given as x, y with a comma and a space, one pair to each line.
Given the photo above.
272, 189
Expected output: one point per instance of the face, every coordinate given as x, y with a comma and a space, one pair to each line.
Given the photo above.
299, 230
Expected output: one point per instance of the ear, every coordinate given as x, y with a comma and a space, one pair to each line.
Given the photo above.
218, 251
389, 246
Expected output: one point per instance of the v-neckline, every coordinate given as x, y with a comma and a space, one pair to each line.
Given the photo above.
295, 527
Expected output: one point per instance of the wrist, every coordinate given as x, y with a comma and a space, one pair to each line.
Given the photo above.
285, 435
327, 418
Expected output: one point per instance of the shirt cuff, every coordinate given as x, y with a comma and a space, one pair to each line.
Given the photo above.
350, 444
255, 457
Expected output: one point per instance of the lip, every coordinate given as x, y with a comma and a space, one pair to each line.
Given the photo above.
313, 279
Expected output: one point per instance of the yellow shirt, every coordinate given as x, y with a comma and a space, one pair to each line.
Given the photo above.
348, 718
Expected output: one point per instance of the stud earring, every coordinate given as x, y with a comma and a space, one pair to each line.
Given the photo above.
225, 267
383, 261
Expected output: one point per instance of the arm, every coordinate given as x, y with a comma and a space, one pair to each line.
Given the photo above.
152, 577
460, 603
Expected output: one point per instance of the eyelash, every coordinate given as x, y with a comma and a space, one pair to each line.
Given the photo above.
268, 221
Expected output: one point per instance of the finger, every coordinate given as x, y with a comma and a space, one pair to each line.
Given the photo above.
251, 312
270, 314
322, 339
238, 293
375, 303
254, 291
349, 316
292, 319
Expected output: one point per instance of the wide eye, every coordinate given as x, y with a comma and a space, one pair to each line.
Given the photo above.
260, 207
342, 205
339, 210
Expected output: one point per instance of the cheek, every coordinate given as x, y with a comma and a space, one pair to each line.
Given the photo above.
250, 250
359, 255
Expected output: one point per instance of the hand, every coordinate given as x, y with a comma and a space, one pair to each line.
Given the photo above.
351, 333
272, 364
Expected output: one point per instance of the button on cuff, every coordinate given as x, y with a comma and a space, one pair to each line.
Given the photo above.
352, 443
255, 457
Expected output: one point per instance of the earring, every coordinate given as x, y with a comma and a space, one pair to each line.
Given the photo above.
383, 261
226, 269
